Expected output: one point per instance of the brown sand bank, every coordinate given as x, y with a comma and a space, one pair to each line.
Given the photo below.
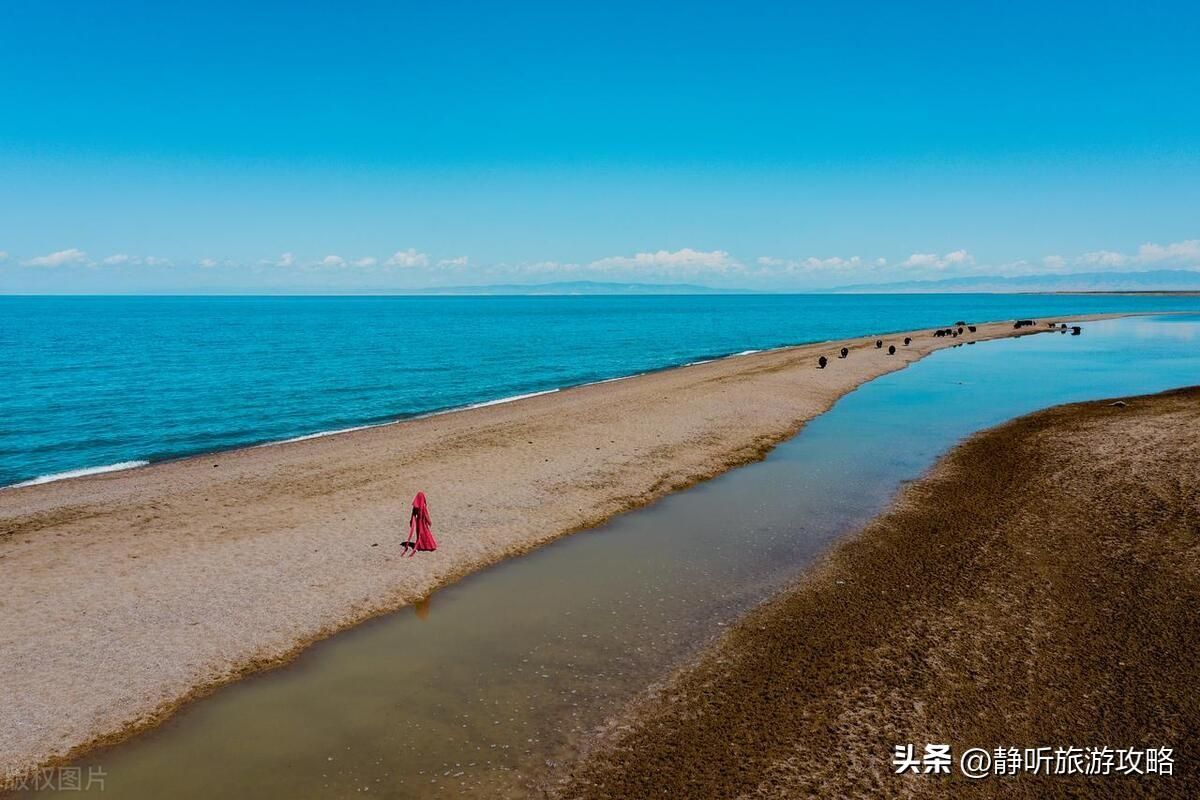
126, 593
1040, 588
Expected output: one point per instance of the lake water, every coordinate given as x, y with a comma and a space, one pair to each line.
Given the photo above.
499, 677
92, 382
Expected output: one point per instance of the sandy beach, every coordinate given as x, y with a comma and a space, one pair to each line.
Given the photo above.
1038, 588
130, 592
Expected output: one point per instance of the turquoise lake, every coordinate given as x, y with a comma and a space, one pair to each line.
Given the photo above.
95, 381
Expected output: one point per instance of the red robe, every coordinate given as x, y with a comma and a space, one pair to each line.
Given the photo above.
419, 525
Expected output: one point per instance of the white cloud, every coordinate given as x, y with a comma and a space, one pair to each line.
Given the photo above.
59, 259
957, 258
685, 260
408, 258
1186, 252
1151, 254
1103, 258
703, 265
121, 259
3, 256
284, 260
661, 264
835, 263
1177, 254
921, 260
1012, 269
714, 267
336, 262
814, 264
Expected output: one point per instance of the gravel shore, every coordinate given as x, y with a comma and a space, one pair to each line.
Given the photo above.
1040, 588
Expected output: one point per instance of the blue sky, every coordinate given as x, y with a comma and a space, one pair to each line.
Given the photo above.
388, 146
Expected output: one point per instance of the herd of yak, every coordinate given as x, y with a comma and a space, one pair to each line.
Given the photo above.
960, 328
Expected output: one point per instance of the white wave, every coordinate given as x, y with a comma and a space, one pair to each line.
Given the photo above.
512, 399
320, 434
746, 353
335, 432
613, 380
79, 473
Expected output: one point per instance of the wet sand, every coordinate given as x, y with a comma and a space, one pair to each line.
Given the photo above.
1040, 588
128, 593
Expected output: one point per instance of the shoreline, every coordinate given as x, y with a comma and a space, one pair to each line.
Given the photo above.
173, 579
120, 466
1049, 601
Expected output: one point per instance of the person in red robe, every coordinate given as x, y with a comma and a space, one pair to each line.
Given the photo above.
420, 531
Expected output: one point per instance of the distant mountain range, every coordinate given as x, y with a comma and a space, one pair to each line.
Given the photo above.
1163, 280
579, 288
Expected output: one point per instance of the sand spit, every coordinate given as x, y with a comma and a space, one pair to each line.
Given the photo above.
127, 593
1040, 588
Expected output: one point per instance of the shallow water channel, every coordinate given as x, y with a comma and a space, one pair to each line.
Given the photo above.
498, 678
